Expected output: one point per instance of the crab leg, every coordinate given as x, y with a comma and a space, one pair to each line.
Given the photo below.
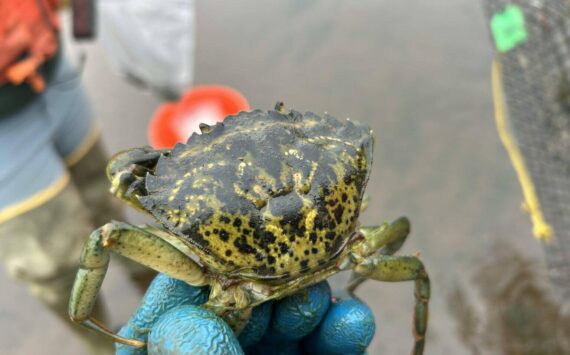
141, 244
385, 239
402, 268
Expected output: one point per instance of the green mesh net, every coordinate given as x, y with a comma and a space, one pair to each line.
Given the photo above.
531, 87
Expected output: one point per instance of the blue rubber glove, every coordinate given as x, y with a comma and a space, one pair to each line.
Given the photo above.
308, 322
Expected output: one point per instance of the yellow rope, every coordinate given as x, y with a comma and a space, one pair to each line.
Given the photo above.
34, 201
541, 230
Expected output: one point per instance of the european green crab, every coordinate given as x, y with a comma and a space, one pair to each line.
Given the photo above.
257, 208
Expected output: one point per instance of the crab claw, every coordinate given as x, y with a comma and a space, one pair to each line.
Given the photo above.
127, 170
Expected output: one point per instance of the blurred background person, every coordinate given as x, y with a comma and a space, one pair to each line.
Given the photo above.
53, 188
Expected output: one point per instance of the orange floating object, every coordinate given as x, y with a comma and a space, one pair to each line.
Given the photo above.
176, 121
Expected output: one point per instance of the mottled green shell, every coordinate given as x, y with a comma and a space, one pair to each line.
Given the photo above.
265, 195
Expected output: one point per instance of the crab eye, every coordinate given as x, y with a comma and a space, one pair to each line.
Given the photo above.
139, 170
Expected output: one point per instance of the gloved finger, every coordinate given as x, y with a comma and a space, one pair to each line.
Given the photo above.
163, 294
192, 329
296, 316
347, 328
257, 325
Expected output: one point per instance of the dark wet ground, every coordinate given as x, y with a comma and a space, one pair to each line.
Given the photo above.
418, 74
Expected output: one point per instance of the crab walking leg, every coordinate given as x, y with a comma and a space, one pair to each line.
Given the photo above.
385, 239
403, 268
137, 244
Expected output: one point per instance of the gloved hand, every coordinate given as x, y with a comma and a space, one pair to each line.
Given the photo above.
308, 322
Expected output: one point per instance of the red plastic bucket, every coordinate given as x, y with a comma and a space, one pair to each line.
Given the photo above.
176, 121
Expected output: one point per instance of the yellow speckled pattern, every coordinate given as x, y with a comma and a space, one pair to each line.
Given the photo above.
264, 195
